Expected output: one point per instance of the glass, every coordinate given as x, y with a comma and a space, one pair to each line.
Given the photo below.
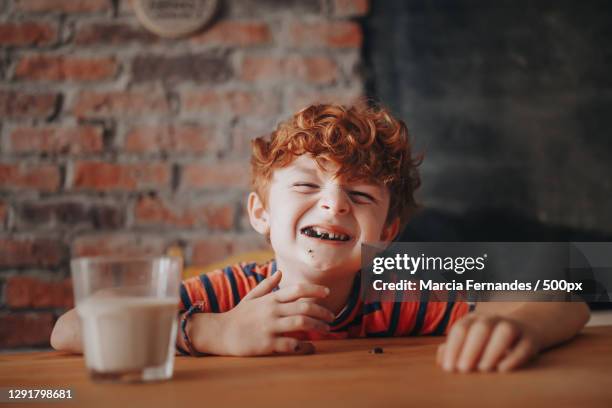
128, 309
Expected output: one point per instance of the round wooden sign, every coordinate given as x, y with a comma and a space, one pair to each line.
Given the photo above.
174, 18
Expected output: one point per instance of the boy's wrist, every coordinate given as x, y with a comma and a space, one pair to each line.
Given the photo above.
184, 330
206, 334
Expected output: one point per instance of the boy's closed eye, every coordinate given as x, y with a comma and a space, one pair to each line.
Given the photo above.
361, 197
305, 187
357, 196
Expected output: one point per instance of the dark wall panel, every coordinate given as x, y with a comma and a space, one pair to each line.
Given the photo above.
511, 101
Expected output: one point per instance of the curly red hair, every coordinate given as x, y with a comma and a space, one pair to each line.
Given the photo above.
366, 143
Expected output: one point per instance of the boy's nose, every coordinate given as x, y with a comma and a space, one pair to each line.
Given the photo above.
336, 203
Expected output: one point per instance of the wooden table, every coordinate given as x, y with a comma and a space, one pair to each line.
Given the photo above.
342, 373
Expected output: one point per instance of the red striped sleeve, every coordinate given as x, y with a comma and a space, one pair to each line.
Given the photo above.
441, 316
222, 289
195, 292
433, 317
460, 310
244, 284
407, 320
413, 318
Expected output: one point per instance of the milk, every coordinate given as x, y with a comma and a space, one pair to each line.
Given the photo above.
123, 334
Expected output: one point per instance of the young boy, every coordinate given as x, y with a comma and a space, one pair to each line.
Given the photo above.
328, 180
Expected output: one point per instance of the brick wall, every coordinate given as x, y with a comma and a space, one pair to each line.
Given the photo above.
115, 141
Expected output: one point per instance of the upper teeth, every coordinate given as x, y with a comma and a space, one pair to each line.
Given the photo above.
321, 233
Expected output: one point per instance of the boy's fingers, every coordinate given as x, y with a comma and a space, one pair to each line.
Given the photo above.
301, 290
265, 286
523, 351
288, 345
504, 334
454, 343
475, 343
306, 309
300, 323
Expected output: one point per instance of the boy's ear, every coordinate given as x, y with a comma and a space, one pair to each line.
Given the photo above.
390, 230
258, 216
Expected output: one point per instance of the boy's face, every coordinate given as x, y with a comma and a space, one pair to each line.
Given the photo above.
316, 222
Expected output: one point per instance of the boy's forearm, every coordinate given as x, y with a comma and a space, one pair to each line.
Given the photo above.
553, 322
203, 329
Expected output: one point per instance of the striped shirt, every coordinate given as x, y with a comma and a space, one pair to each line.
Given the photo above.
222, 289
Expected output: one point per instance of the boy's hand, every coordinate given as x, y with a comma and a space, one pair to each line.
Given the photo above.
257, 325
486, 343
66, 334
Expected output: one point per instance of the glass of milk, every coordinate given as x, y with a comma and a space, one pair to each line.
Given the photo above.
128, 308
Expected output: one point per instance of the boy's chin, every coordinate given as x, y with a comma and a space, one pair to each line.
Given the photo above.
324, 264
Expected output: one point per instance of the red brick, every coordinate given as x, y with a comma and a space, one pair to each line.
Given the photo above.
154, 211
119, 103
217, 175
25, 329
104, 176
3, 214
69, 139
65, 6
230, 102
215, 249
203, 68
265, 9
234, 33
16, 252
244, 133
335, 34
264, 68
113, 34
219, 217
301, 99
173, 139
22, 105
29, 292
55, 213
43, 177
27, 33
351, 8
62, 68
315, 69
211, 250
118, 244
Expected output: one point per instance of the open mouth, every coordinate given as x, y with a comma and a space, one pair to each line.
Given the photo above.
323, 234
